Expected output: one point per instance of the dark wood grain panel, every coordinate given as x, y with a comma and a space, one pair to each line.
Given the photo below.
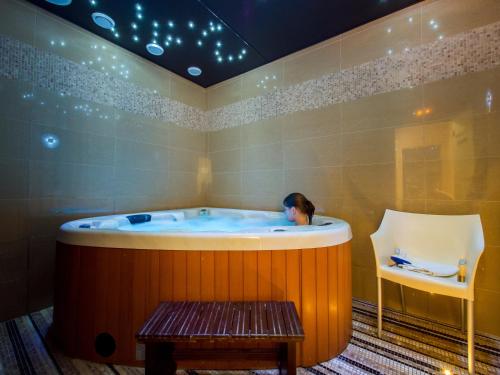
115, 290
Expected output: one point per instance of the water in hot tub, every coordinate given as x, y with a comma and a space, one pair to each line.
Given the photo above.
209, 224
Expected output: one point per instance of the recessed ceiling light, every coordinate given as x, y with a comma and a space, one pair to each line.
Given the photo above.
191, 24
154, 49
194, 71
199, 42
170, 23
59, 2
103, 20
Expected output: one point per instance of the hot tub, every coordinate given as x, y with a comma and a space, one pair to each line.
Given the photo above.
112, 271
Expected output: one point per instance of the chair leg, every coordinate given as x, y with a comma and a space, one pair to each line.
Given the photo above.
462, 315
379, 307
470, 337
402, 294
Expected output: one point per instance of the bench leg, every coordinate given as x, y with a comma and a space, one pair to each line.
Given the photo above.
159, 359
287, 364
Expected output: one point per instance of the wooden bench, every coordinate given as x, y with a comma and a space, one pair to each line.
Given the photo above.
237, 322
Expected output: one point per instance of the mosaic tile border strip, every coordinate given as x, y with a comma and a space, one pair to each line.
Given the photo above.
468, 52
473, 51
47, 70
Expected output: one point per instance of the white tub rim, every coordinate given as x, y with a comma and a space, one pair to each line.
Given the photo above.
301, 238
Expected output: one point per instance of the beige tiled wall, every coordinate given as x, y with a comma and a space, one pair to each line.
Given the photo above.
355, 159
118, 163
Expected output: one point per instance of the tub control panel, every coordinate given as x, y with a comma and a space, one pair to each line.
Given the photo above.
139, 218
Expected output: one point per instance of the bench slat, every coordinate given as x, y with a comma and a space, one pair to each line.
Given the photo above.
168, 319
184, 321
262, 308
196, 326
191, 317
254, 327
295, 328
277, 318
181, 314
224, 323
208, 319
154, 320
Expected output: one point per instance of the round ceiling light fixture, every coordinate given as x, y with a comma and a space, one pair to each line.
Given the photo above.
59, 2
194, 71
103, 20
154, 49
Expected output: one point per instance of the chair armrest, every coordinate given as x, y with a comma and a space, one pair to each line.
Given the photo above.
382, 247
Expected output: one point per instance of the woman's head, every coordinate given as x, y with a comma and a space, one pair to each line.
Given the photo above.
298, 208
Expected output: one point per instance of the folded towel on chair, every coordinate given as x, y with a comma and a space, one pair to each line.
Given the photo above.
430, 269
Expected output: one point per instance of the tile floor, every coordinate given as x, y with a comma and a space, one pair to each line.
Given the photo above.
409, 346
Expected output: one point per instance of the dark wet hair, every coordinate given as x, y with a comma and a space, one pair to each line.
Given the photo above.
299, 201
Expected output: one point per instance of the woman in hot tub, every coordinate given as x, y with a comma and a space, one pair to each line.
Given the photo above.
298, 209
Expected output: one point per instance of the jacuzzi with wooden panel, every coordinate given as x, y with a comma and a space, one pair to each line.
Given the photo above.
112, 272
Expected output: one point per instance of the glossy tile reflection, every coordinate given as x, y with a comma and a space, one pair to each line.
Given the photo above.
65, 154
429, 147
400, 113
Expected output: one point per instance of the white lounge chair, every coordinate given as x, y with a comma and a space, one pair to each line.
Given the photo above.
436, 239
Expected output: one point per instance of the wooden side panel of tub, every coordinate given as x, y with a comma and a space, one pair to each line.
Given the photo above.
101, 290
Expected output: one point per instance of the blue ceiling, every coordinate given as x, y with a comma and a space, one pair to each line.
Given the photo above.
224, 38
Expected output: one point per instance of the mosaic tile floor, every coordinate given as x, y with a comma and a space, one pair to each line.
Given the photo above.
409, 346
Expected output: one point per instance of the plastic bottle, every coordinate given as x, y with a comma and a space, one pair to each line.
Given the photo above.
462, 270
